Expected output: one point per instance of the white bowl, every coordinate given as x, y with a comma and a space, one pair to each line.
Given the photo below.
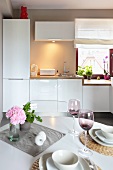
107, 132
65, 160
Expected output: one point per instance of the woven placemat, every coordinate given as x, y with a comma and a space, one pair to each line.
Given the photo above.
91, 144
35, 165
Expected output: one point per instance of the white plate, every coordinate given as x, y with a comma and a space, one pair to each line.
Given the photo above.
82, 165
102, 137
92, 133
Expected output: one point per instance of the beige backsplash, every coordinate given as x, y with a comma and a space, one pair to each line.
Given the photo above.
53, 55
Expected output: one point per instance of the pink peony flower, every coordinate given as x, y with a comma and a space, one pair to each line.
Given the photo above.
16, 115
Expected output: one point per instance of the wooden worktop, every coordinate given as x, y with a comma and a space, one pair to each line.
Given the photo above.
95, 82
85, 82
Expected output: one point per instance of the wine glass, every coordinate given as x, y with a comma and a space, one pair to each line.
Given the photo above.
73, 109
86, 120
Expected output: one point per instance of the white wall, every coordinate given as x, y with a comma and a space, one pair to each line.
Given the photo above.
1, 89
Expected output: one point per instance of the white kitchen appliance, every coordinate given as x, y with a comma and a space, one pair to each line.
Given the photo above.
47, 72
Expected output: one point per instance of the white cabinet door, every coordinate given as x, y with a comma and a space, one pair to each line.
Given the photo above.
16, 48
68, 89
45, 106
63, 30
15, 92
43, 89
96, 98
43, 92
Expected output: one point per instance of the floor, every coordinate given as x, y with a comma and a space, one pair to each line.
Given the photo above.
101, 117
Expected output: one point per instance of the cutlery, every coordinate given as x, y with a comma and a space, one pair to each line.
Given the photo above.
91, 164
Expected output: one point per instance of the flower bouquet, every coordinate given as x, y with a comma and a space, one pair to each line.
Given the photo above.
16, 116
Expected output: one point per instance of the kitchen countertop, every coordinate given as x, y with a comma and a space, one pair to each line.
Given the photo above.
95, 82
56, 77
85, 82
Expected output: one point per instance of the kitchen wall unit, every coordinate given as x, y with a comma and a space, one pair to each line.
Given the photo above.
96, 98
16, 62
43, 92
16, 48
63, 30
68, 89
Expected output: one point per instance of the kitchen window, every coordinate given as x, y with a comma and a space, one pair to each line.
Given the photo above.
94, 44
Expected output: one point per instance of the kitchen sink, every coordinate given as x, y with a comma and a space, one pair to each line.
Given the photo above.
67, 75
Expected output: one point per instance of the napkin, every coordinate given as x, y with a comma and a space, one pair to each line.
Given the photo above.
40, 138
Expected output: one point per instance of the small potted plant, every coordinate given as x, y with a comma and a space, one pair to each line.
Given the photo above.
80, 71
30, 117
88, 72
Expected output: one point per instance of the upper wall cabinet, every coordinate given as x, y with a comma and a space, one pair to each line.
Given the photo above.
59, 31
16, 48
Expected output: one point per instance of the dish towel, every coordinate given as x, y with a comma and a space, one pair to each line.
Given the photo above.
40, 138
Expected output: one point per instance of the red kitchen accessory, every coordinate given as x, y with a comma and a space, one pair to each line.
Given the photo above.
24, 14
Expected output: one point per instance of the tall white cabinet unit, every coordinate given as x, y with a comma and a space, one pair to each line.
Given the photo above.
68, 89
16, 62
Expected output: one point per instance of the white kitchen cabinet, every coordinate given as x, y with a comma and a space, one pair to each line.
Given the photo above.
43, 89
15, 92
16, 48
16, 62
68, 89
43, 92
96, 98
54, 30
45, 106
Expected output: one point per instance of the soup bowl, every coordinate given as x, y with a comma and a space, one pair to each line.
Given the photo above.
107, 132
65, 159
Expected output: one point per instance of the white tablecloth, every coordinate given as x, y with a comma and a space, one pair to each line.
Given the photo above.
14, 159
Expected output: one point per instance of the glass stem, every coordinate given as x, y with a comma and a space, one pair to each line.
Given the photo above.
85, 146
74, 123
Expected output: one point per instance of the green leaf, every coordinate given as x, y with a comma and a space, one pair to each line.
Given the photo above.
30, 116
39, 119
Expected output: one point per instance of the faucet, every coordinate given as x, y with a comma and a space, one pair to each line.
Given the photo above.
65, 71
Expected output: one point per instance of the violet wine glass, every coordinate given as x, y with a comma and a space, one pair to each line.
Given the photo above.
73, 109
86, 120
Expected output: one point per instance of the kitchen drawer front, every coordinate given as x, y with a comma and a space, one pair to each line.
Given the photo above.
62, 106
69, 89
44, 106
45, 89
96, 98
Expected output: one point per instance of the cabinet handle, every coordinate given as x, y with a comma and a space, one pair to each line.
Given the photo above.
14, 79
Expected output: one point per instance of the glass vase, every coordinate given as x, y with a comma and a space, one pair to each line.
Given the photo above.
13, 133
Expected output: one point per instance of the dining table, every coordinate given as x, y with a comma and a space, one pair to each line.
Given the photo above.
12, 158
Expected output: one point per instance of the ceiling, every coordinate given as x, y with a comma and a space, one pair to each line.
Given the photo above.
63, 4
